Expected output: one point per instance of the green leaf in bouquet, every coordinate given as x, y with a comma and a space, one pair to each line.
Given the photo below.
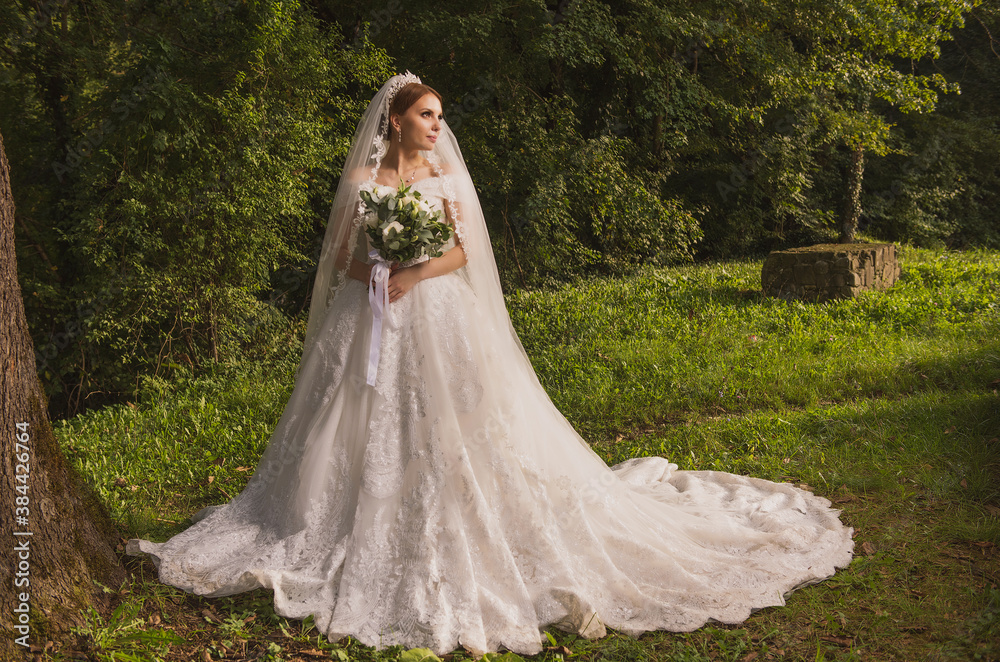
390, 203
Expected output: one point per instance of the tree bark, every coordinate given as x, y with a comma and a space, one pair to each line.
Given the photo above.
57, 539
852, 199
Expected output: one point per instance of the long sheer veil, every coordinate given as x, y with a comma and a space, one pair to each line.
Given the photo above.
369, 146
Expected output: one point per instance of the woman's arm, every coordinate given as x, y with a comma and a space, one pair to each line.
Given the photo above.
359, 269
403, 279
454, 257
451, 259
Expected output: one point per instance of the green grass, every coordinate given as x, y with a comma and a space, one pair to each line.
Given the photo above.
886, 404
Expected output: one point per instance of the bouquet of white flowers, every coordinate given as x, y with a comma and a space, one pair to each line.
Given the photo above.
402, 224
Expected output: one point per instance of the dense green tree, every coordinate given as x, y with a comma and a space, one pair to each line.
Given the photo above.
940, 185
757, 119
175, 160
180, 156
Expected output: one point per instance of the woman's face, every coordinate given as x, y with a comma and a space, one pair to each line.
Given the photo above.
421, 123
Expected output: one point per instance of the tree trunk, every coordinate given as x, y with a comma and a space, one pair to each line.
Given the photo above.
57, 538
852, 199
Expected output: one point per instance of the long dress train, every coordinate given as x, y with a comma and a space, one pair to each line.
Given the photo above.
451, 506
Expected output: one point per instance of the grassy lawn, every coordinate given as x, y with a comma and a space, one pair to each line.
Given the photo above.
887, 404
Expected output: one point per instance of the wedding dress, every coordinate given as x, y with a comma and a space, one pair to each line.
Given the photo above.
451, 504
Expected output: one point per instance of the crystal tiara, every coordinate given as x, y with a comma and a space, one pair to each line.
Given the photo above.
397, 85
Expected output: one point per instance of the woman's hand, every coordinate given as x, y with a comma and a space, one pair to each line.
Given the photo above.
402, 280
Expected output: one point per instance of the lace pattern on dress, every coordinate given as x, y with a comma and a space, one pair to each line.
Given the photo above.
449, 197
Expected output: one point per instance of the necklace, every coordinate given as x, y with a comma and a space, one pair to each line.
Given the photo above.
413, 174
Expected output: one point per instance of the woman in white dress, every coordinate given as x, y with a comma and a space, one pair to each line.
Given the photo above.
420, 487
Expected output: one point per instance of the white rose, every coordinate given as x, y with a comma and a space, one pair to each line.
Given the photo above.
423, 205
382, 192
394, 224
407, 200
373, 220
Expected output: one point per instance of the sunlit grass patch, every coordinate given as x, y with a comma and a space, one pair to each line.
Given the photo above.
886, 404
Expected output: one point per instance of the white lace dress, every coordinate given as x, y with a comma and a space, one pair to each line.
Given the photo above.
438, 510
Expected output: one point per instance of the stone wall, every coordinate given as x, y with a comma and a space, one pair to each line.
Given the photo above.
829, 271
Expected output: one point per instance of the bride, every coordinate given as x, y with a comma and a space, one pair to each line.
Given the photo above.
420, 487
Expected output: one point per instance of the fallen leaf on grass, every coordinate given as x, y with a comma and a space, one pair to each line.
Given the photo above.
964, 484
993, 510
913, 628
956, 554
749, 657
312, 652
844, 499
558, 649
868, 548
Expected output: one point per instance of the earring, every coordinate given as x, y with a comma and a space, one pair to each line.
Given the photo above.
399, 134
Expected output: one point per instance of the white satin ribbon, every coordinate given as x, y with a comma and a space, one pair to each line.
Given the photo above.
378, 297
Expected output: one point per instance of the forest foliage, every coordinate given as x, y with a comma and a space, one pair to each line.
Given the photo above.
173, 162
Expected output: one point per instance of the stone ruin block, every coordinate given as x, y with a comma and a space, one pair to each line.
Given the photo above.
829, 271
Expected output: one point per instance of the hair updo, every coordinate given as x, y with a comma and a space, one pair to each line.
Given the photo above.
406, 97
